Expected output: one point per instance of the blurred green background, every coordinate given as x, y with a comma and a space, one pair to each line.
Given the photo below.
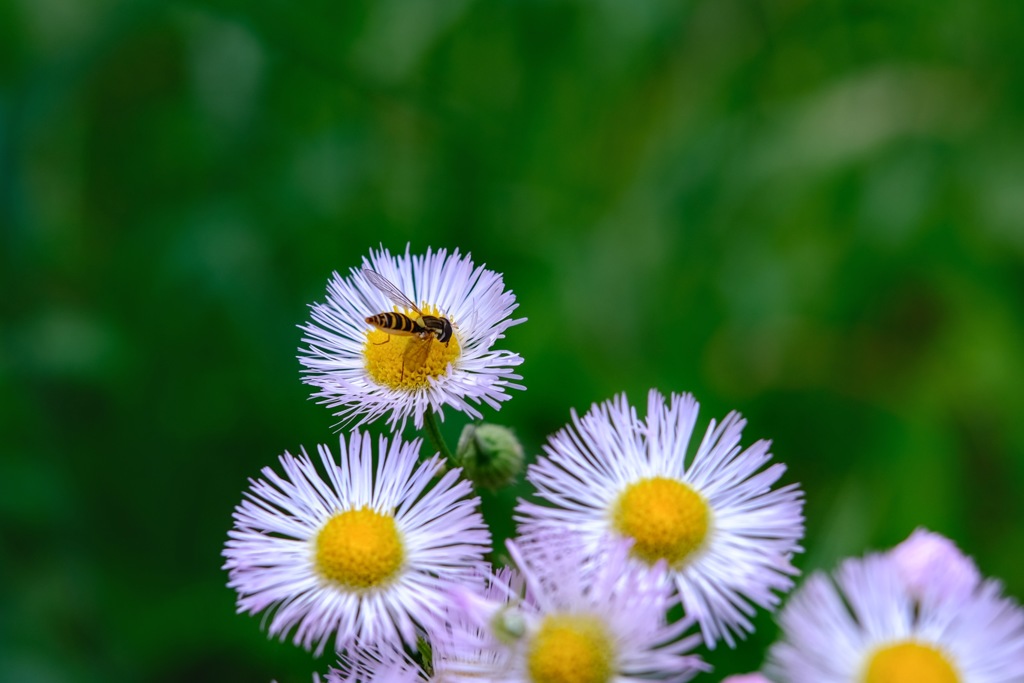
812, 212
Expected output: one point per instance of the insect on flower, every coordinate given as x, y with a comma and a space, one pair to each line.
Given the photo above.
424, 327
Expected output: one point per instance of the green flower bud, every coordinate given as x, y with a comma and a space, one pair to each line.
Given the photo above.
508, 625
490, 455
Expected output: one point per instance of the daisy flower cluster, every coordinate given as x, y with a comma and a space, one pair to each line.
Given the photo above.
637, 546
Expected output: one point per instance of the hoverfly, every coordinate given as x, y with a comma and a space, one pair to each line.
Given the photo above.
425, 327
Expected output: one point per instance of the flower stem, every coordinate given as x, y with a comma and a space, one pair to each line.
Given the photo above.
433, 428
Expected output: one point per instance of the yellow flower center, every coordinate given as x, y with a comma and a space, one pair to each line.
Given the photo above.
408, 361
359, 549
666, 519
570, 649
909, 661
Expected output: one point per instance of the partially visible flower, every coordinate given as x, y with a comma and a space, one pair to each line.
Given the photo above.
746, 678
579, 617
866, 623
727, 537
467, 650
365, 372
383, 664
365, 554
934, 568
460, 651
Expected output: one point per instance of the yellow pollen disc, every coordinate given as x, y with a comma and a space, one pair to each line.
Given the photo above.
359, 549
570, 649
909, 661
666, 519
405, 361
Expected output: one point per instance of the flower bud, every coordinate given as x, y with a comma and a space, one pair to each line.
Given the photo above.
490, 455
508, 625
933, 568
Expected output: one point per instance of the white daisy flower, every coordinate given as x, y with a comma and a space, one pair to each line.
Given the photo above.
365, 554
441, 317
728, 538
580, 617
869, 625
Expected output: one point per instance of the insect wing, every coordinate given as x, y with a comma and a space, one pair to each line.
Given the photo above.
392, 292
416, 354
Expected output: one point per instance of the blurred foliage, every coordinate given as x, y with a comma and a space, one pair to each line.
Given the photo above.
811, 212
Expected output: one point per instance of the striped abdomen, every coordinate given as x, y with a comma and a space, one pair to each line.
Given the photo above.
397, 323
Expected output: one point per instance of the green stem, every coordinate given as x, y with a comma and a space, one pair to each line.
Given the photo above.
433, 428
